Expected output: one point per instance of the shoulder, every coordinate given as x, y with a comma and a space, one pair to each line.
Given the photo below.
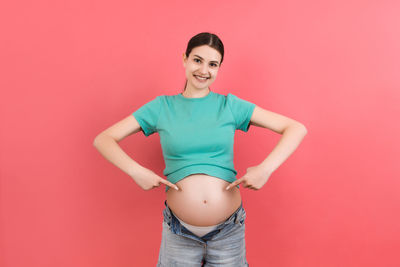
160, 99
235, 100
221, 96
166, 97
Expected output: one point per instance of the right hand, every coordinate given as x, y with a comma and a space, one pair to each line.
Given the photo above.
148, 180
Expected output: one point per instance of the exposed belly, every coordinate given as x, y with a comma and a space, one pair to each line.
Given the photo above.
202, 200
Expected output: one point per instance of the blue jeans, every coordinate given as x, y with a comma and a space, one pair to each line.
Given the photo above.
224, 246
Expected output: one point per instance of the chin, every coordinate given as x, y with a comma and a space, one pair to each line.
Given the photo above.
204, 86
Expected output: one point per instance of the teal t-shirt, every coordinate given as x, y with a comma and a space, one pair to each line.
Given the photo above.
196, 134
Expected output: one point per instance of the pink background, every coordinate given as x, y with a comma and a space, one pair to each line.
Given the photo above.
70, 69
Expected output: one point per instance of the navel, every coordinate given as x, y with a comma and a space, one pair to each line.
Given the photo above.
205, 201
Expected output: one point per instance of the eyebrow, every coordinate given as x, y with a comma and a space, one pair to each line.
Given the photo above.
203, 58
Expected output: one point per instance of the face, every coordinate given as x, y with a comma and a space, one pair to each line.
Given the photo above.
203, 61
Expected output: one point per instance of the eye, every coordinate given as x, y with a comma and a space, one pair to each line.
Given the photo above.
196, 59
214, 65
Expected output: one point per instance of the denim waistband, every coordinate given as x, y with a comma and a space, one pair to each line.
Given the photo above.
237, 217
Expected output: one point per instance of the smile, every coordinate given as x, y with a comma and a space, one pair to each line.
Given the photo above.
201, 79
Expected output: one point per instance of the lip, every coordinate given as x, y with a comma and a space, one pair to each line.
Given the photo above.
200, 80
200, 76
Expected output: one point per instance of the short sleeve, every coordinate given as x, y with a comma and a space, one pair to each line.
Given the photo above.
147, 116
241, 111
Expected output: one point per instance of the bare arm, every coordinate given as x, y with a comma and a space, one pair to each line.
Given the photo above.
107, 144
292, 133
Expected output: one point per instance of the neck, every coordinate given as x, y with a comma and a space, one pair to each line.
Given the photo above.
196, 92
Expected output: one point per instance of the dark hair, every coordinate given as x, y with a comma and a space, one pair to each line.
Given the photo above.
205, 38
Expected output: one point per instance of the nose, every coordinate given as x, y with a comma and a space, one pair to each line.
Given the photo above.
204, 69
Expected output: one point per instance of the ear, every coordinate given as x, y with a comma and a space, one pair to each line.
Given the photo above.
184, 59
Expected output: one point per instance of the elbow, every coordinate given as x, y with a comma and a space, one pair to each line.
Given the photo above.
303, 127
97, 140
101, 138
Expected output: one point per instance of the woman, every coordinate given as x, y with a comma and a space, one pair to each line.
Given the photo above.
204, 220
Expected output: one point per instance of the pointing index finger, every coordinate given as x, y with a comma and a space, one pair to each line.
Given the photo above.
234, 183
231, 185
169, 184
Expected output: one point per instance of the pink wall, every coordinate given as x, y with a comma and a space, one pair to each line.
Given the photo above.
71, 69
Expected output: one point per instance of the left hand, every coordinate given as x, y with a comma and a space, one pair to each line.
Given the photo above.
255, 178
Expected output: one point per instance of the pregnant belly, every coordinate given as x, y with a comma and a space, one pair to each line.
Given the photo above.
202, 200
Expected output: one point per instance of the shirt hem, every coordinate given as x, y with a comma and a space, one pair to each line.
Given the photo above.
218, 172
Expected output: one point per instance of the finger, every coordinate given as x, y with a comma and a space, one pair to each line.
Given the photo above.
169, 184
230, 185
234, 183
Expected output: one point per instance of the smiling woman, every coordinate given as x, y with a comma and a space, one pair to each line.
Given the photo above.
202, 60
202, 221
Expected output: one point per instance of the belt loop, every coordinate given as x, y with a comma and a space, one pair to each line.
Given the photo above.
236, 216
